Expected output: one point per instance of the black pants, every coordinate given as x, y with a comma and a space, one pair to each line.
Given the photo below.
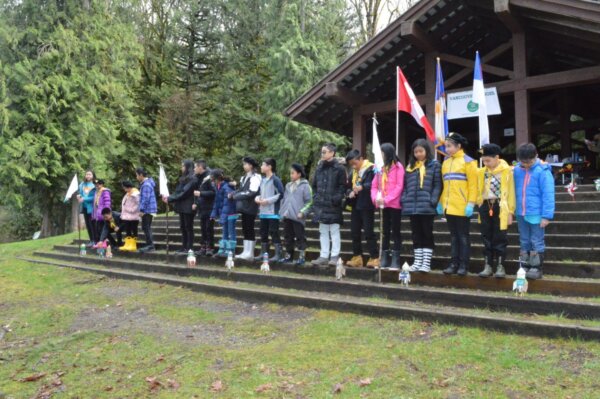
147, 228
391, 229
459, 239
130, 227
269, 227
363, 220
421, 227
293, 232
107, 234
248, 227
99, 226
207, 226
186, 224
89, 226
494, 239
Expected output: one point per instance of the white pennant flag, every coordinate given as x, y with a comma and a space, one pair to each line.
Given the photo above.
162, 182
377, 148
73, 187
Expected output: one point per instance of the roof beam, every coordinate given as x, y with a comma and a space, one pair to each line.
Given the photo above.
418, 37
484, 59
507, 17
505, 73
344, 95
581, 10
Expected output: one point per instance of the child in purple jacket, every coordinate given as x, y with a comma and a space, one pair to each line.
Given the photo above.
102, 200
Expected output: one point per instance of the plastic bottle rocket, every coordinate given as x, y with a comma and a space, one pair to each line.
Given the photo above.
404, 275
264, 267
191, 259
109, 253
102, 249
520, 284
229, 262
340, 269
82, 250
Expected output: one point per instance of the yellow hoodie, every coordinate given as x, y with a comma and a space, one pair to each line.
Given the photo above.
507, 190
459, 173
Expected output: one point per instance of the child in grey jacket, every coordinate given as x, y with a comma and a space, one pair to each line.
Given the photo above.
296, 205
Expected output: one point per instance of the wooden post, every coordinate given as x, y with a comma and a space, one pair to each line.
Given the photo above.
522, 106
564, 121
359, 131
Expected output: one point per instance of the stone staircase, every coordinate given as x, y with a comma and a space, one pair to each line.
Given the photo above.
565, 303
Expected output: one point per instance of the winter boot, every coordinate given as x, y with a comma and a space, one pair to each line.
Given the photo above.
426, 264
264, 248
222, 249
300, 261
386, 259
418, 260
462, 269
373, 263
487, 268
230, 247
395, 264
524, 260
244, 254
536, 262
356, 261
278, 254
452, 267
500, 272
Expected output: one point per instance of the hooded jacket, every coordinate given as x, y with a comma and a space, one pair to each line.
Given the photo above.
244, 197
534, 189
329, 188
297, 199
148, 196
507, 190
206, 200
271, 190
459, 173
101, 200
130, 206
422, 199
223, 206
87, 191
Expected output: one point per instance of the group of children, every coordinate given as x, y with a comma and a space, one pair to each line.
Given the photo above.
426, 188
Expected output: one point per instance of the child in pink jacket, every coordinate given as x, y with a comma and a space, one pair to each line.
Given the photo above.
130, 215
386, 191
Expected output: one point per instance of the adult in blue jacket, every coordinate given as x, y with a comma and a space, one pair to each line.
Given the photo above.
534, 189
85, 196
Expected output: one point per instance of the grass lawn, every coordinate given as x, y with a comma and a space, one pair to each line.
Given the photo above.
81, 335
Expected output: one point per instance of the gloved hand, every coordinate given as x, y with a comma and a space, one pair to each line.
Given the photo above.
439, 209
469, 210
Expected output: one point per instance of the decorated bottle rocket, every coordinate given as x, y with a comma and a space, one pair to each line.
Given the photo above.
109, 253
404, 275
340, 269
264, 267
82, 250
191, 259
102, 249
520, 285
229, 262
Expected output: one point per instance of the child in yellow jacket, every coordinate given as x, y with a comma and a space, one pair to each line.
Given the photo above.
459, 173
496, 201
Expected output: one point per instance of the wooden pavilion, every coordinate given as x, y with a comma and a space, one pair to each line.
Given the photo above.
543, 57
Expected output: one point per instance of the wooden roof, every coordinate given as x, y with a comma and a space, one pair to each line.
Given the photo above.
561, 35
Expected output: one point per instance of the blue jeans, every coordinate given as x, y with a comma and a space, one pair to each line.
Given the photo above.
229, 229
531, 236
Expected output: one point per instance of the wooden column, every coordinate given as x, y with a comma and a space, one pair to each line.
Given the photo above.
564, 121
359, 131
430, 87
522, 106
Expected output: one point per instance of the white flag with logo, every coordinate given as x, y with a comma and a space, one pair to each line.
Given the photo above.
73, 187
162, 182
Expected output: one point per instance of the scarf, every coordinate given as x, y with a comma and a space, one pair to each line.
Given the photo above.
357, 175
420, 166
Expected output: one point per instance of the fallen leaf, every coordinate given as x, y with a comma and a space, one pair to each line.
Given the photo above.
33, 377
216, 386
364, 382
338, 388
172, 384
108, 388
264, 388
160, 358
154, 383
100, 369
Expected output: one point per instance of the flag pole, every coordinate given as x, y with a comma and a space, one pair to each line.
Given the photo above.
397, 116
379, 196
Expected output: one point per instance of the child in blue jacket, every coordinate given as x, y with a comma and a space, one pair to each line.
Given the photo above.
224, 211
534, 189
85, 196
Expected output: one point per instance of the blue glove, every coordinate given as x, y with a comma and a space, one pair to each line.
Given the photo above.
469, 210
439, 209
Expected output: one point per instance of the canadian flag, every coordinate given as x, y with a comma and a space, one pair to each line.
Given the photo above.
407, 102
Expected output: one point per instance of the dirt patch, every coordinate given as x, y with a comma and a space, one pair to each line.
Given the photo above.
118, 291
573, 360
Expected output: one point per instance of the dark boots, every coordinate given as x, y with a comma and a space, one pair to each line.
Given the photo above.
536, 262
264, 248
395, 263
278, 256
452, 267
386, 259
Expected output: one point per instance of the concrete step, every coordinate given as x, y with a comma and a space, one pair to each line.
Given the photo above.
495, 301
553, 285
512, 323
555, 240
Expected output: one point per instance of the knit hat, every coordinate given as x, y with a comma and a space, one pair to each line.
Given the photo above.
490, 150
457, 138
